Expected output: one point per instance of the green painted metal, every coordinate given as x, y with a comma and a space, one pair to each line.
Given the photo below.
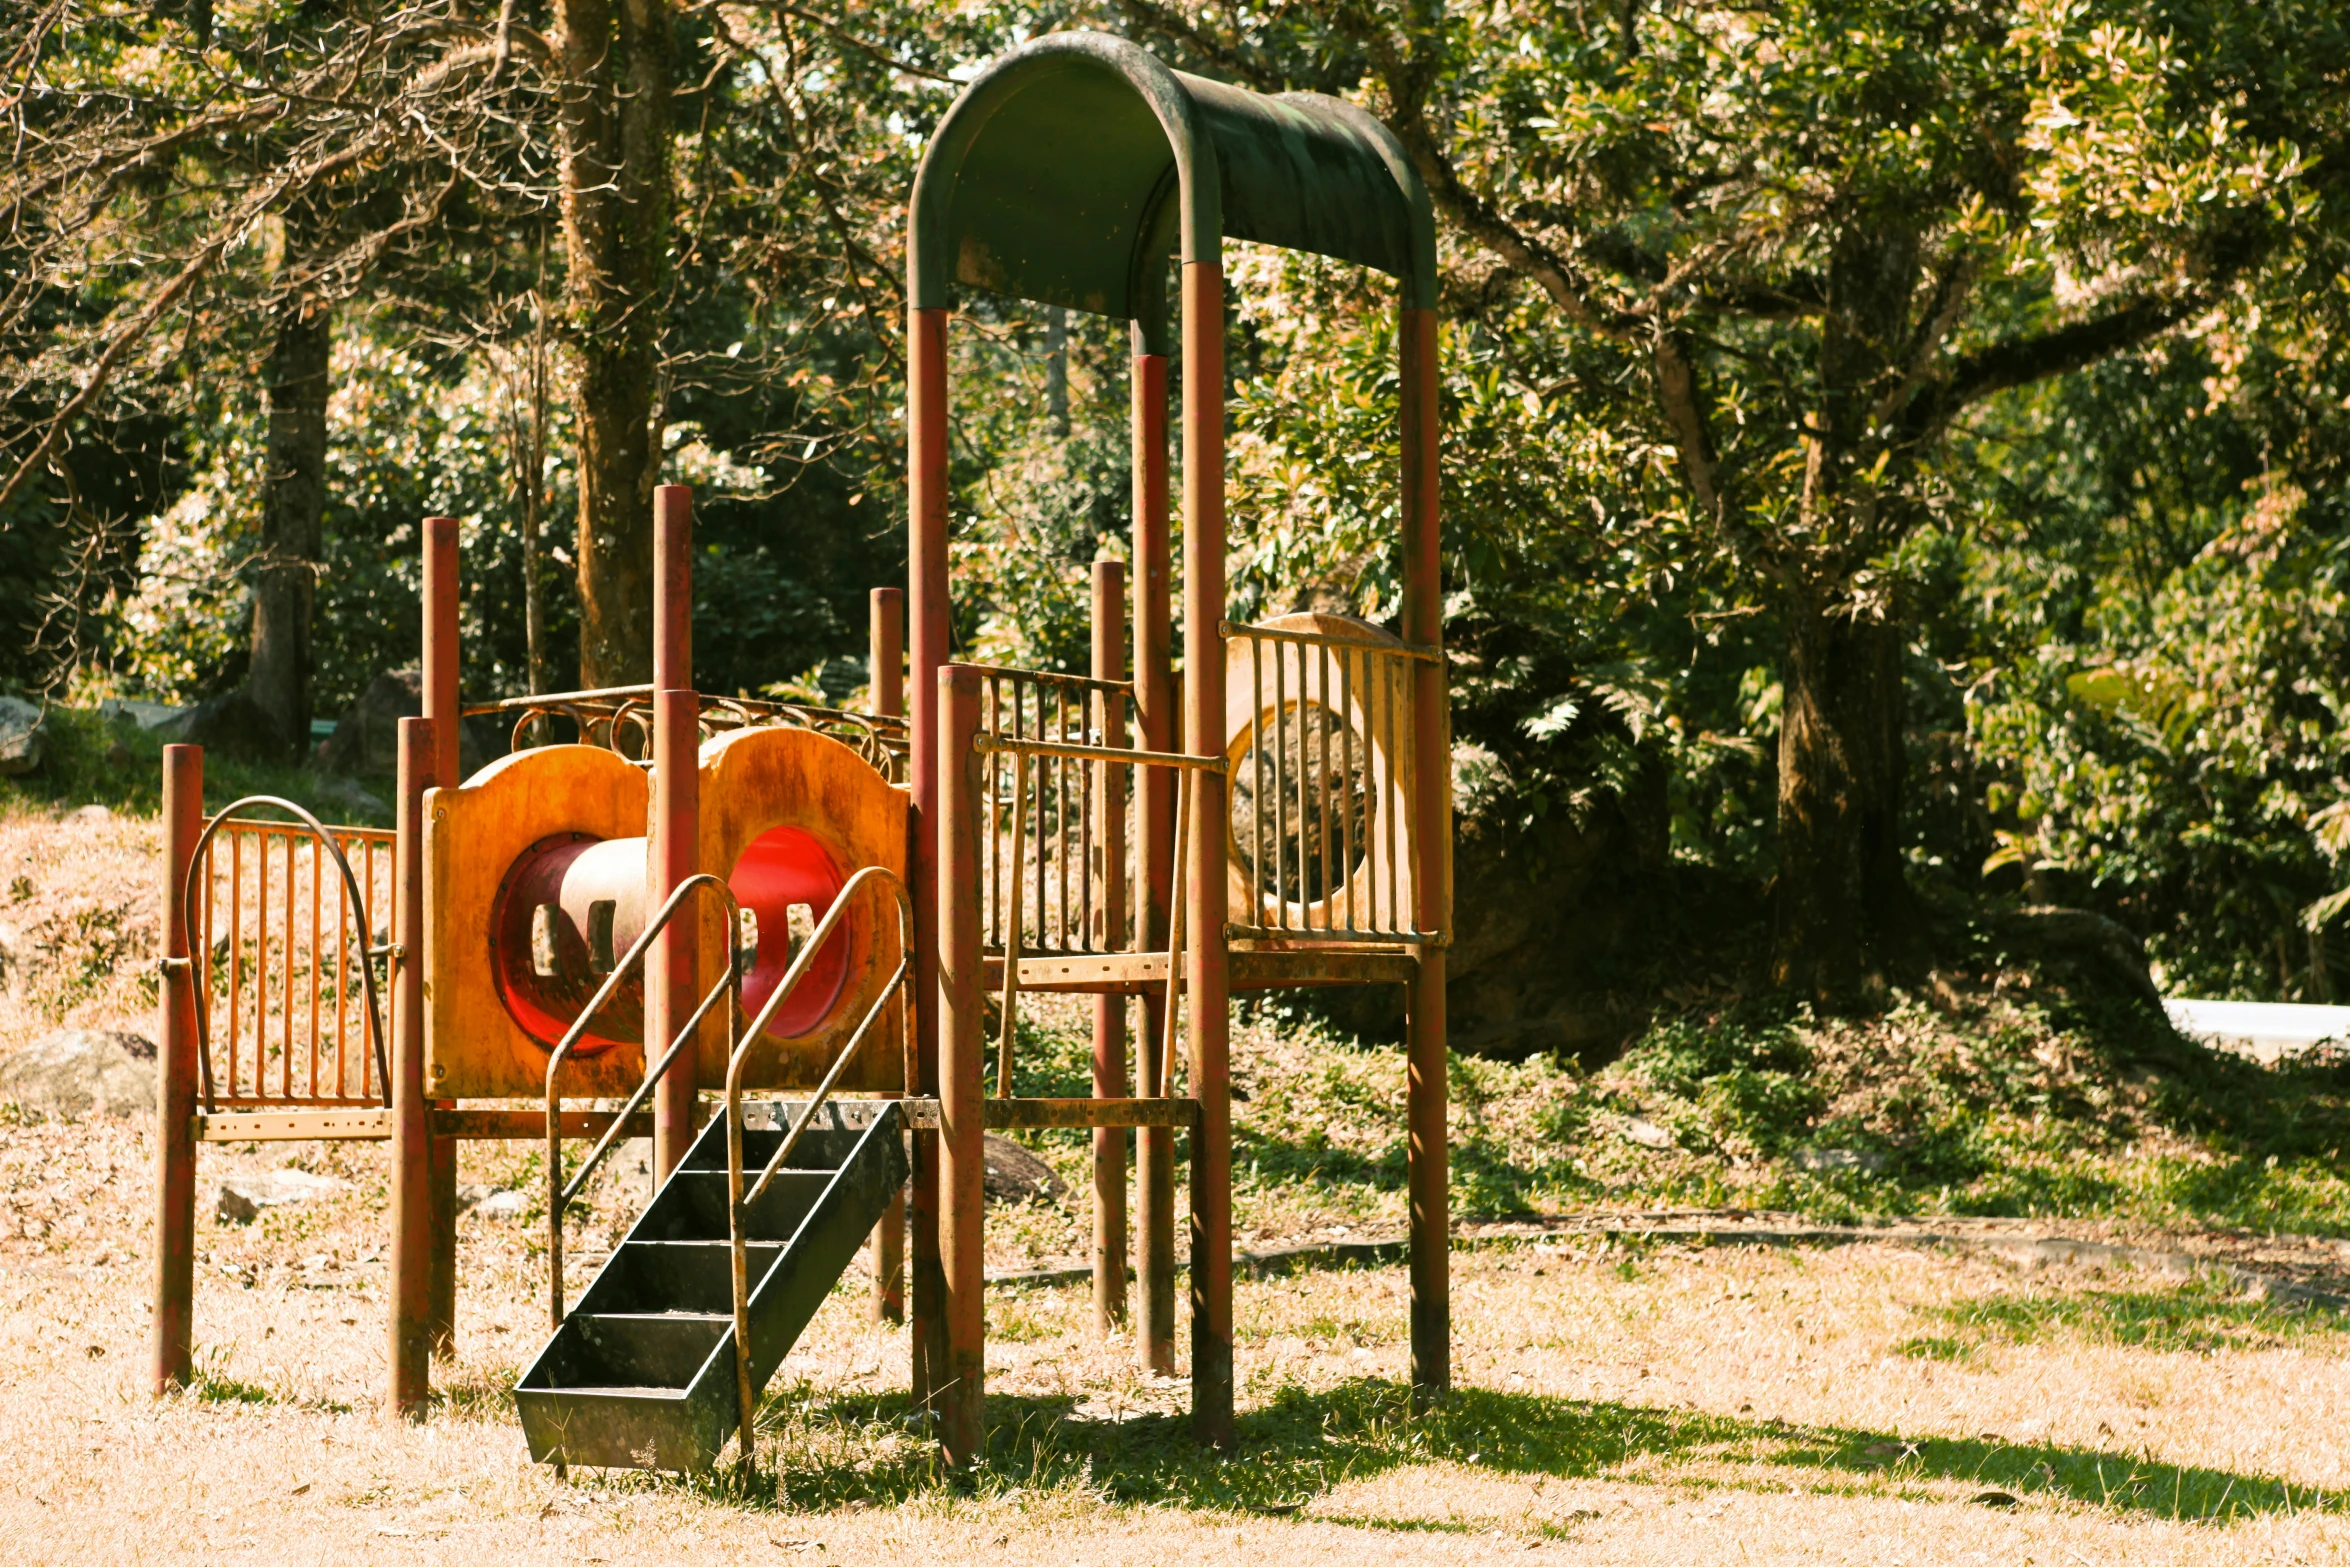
1074, 168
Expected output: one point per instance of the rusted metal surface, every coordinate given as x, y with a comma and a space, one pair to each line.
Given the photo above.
1105, 1113
439, 662
885, 666
1145, 973
957, 1386
620, 718
1154, 852
929, 611
1423, 622
1109, 1011
173, 1325
293, 1024
739, 1201
411, 1117
1205, 899
672, 984
284, 979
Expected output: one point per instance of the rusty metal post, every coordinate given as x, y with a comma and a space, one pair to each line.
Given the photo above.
886, 674
412, 1194
440, 708
672, 980
958, 1387
1109, 1012
1154, 696
1429, 1154
1205, 896
175, 1066
928, 616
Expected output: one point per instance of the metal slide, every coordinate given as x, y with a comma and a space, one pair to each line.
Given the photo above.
642, 1372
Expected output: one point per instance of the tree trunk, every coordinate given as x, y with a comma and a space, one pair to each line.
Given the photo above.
293, 499
615, 58
1847, 924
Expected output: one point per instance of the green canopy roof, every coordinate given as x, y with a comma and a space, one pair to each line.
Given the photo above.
1071, 168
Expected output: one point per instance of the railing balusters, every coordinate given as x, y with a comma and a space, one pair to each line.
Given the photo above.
1281, 786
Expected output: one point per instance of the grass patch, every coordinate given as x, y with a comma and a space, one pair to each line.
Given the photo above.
2197, 1318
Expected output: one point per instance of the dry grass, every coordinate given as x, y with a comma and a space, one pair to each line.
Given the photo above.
1615, 1405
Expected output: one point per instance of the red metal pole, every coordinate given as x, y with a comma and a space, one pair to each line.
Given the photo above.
1109, 1012
412, 1194
672, 981
440, 708
1154, 693
1429, 1154
886, 672
1206, 898
175, 1065
928, 610
958, 1385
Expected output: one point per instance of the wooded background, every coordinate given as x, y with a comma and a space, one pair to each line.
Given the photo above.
1894, 448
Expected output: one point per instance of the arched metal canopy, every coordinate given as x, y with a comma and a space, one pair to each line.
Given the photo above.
1072, 167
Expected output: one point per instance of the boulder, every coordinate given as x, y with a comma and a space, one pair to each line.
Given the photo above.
1868, 1161
505, 1206
23, 738
1013, 1174
243, 1197
138, 715
367, 736
231, 724
78, 1070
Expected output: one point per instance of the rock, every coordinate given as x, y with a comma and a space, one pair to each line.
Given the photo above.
24, 740
350, 795
78, 1070
367, 735
2088, 940
242, 1197
469, 1196
1016, 1175
1647, 1133
503, 1206
1866, 1160
139, 715
88, 816
232, 724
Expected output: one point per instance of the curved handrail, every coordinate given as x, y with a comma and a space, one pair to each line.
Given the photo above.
559, 1195
736, 1202
199, 977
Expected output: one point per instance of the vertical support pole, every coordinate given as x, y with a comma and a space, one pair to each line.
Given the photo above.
671, 981
440, 709
957, 1388
412, 1194
927, 610
1154, 695
1205, 894
175, 1066
1429, 1154
1109, 1012
885, 668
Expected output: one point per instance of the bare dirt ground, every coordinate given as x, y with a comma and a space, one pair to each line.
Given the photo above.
1617, 1403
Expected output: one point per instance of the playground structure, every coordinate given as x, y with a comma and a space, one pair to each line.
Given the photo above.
697, 898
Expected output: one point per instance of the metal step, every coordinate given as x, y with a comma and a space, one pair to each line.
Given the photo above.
641, 1374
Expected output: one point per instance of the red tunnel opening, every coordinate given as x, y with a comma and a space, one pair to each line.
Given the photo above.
784, 867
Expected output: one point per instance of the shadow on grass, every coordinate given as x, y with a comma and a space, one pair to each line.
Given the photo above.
1303, 1443
2205, 1315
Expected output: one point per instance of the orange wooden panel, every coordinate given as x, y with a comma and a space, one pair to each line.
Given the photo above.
473, 835
754, 780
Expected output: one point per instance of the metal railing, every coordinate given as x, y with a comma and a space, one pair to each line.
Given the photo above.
302, 1017
620, 718
1051, 745
1316, 795
737, 1202
560, 1194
